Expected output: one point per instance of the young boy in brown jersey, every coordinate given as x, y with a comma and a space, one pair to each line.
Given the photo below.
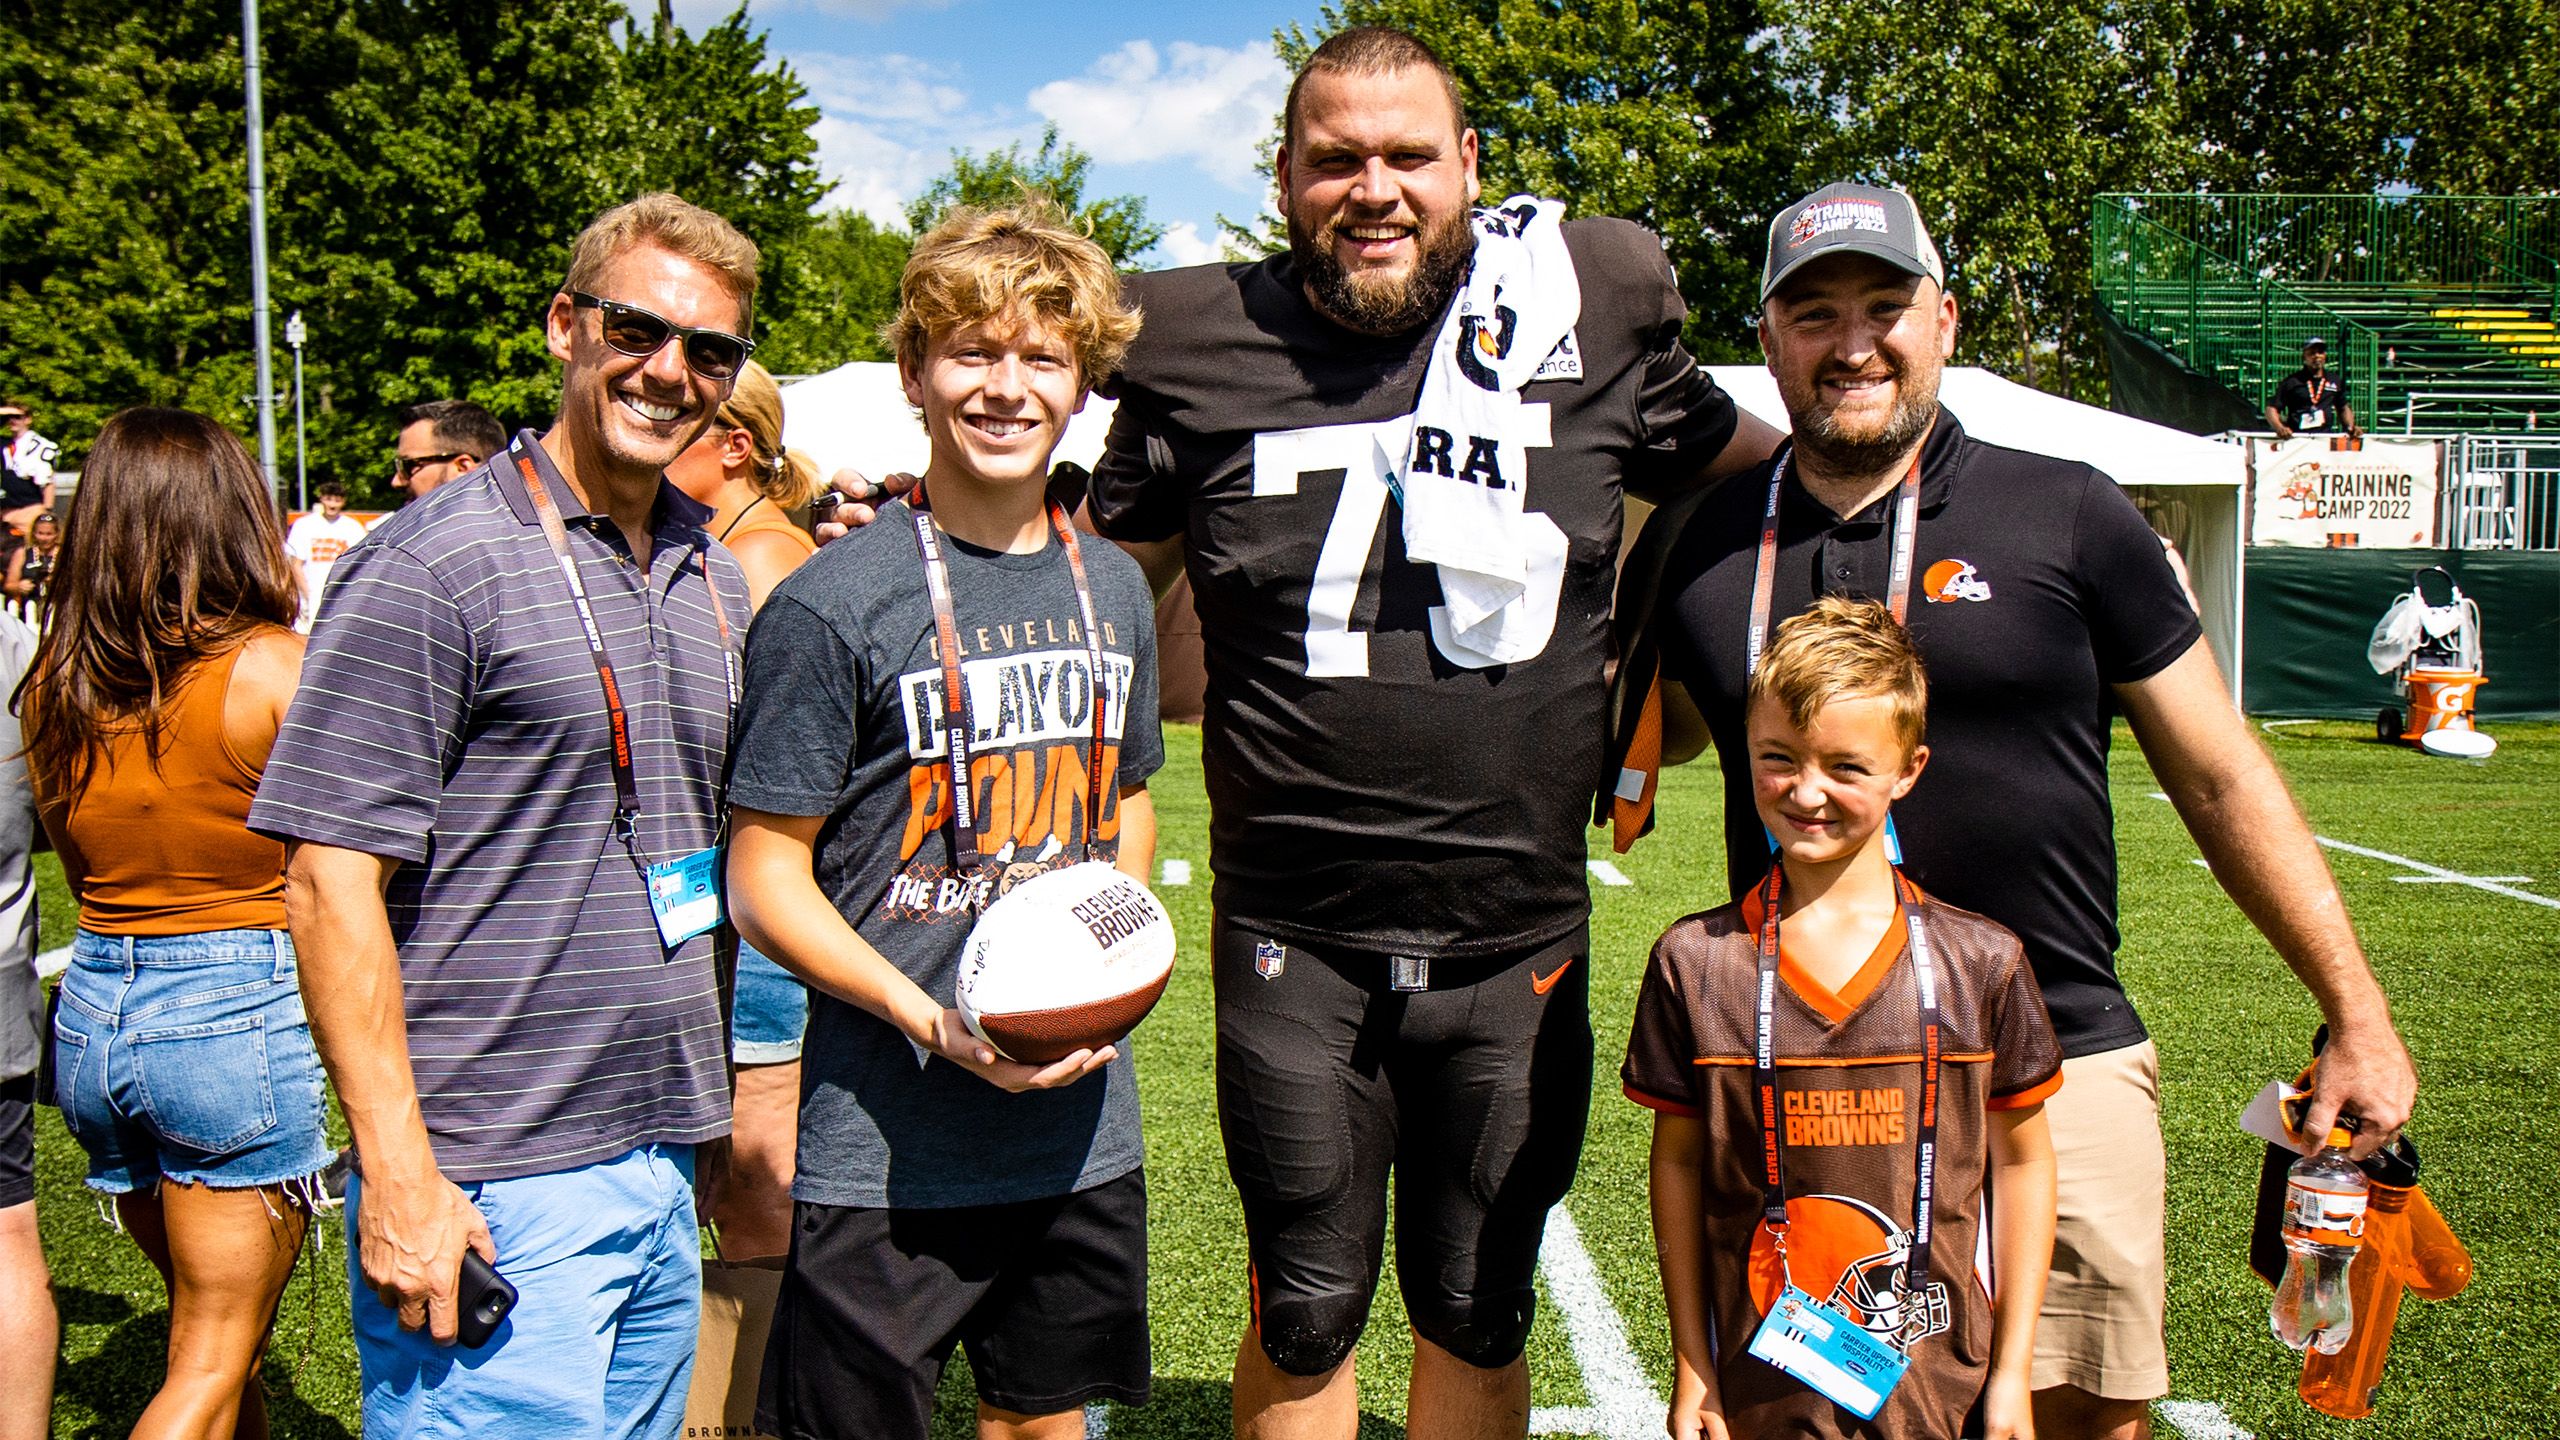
1814, 1073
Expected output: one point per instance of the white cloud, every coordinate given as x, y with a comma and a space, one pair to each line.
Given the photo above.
887, 126
1183, 244
1211, 106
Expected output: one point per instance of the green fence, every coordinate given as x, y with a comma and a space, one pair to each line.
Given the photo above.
2458, 243
2226, 320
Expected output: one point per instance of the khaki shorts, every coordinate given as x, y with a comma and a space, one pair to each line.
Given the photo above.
2107, 1294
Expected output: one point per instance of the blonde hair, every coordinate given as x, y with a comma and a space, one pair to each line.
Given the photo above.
670, 222
1023, 260
1845, 649
785, 477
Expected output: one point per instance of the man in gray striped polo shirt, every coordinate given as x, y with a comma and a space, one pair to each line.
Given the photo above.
507, 748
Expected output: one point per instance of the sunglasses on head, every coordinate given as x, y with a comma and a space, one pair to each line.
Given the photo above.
632, 331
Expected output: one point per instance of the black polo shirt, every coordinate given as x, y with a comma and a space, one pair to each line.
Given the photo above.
2035, 587
2310, 403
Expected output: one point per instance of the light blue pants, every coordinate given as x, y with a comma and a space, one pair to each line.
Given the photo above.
607, 1265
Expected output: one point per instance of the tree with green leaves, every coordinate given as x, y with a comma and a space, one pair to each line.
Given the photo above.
1056, 172
429, 162
2004, 126
839, 290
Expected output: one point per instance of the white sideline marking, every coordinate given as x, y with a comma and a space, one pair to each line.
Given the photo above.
2202, 1420
2438, 872
2269, 726
1097, 1420
1177, 872
53, 962
2457, 879
1623, 1406
1608, 874
2197, 861
2494, 884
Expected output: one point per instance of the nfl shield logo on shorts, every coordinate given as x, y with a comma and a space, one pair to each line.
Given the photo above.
1270, 957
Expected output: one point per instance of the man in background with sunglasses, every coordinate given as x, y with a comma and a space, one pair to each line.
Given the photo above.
500, 784
440, 440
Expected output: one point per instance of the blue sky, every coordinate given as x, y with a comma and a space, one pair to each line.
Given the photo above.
1174, 101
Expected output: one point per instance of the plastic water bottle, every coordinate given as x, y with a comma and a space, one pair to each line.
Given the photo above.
2324, 1204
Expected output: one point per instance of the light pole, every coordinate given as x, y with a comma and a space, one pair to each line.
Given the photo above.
258, 242
294, 335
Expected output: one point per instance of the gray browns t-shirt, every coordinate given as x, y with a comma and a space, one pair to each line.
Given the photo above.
843, 717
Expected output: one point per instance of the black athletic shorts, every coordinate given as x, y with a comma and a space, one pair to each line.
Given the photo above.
1049, 1296
17, 1141
1473, 1091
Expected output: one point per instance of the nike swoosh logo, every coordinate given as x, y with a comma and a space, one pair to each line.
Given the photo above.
1543, 984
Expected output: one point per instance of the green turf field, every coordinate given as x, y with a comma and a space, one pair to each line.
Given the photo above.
2470, 971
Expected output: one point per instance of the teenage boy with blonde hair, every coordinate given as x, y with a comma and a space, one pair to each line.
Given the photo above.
1811, 1090
946, 1195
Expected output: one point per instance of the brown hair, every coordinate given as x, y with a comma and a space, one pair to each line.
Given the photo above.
172, 556
979, 265
1372, 50
670, 222
1845, 649
785, 477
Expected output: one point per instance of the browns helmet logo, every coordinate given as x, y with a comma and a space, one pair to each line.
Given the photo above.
1845, 1253
1951, 580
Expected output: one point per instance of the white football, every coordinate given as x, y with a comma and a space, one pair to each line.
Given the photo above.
1065, 961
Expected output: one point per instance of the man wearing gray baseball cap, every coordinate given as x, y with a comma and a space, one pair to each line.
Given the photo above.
2042, 606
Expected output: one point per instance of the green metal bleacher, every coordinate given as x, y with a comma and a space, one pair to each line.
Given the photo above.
2442, 312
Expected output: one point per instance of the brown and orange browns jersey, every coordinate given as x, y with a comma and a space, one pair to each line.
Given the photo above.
1849, 1073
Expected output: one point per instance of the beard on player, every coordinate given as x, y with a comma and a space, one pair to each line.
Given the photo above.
1377, 302
1850, 449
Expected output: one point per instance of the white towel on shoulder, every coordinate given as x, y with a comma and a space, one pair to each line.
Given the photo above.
1463, 468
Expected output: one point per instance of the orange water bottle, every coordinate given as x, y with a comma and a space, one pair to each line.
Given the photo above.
2406, 1245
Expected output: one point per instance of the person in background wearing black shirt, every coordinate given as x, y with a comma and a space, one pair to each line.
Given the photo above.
26, 469
1395, 820
2042, 606
2311, 400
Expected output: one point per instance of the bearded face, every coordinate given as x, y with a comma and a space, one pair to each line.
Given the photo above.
1376, 180
1381, 300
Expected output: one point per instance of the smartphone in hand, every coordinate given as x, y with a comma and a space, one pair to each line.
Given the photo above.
484, 1298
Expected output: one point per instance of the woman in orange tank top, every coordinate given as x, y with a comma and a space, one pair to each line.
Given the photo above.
739, 468
184, 1065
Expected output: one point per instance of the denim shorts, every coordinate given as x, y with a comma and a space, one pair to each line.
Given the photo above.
186, 1057
772, 1012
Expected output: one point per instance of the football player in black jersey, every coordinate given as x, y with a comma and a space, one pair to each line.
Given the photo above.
1396, 824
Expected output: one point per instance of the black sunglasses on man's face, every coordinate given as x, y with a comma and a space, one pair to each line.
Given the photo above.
405, 466
632, 331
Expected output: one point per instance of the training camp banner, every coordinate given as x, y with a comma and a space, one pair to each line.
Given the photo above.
2381, 494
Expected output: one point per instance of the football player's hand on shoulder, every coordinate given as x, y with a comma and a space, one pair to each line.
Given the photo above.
953, 1042
851, 501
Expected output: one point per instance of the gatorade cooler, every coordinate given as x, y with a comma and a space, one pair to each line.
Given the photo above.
2440, 712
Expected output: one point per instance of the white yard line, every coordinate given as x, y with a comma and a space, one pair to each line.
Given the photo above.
2202, 1420
53, 962
1177, 872
1623, 1405
1608, 874
2494, 884
2460, 879
2438, 872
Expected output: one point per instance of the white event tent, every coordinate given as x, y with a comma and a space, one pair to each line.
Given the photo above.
857, 416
